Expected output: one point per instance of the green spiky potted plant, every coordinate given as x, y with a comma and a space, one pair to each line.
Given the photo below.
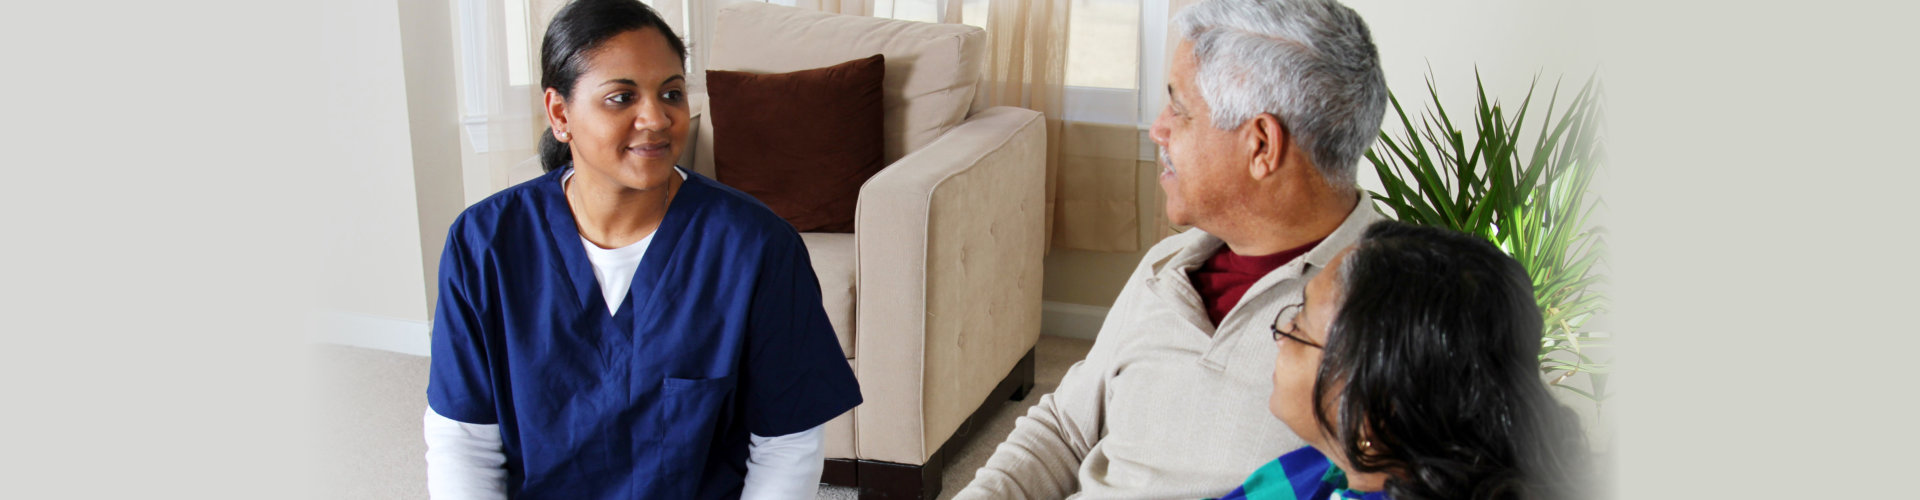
1533, 202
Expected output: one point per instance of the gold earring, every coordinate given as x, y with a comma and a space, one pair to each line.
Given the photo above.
1366, 445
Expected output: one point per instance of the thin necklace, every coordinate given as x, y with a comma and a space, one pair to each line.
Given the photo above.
666, 201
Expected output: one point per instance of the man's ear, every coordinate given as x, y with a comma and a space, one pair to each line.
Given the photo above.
556, 107
1269, 142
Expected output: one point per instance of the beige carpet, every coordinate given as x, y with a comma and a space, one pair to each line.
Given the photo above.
368, 405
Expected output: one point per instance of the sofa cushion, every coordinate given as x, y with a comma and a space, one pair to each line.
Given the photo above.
933, 70
834, 263
839, 432
801, 142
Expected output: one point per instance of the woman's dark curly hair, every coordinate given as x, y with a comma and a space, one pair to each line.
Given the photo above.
1433, 360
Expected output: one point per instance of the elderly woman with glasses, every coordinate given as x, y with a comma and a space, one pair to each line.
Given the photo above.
1411, 373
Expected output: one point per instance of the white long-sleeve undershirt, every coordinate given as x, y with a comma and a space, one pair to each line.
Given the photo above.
785, 467
468, 461
464, 461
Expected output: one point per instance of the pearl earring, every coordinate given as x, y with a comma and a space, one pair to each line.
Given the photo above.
563, 134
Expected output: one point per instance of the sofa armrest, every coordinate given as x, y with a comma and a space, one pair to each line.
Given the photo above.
949, 241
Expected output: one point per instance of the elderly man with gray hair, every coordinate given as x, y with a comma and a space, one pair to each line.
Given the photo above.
1271, 105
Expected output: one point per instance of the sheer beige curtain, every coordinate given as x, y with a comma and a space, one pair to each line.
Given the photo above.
1092, 188
1098, 202
1027, 67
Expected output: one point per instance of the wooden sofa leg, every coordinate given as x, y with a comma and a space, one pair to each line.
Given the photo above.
841, 472
890, 481
1021, 377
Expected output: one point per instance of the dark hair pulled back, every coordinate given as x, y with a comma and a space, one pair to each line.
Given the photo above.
576, 31
1437, 344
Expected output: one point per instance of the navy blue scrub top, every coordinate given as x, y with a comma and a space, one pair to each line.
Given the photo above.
722, 335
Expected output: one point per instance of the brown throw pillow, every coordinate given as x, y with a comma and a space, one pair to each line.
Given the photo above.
801, 142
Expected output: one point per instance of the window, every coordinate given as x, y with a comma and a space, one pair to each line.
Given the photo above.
518, 62
1104, 48
1103, 51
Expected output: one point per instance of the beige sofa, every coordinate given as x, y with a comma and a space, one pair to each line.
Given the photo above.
936, 295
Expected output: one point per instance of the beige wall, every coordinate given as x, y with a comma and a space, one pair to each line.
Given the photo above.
393, 133
372, 266
394, 126
1509, 41
426, 43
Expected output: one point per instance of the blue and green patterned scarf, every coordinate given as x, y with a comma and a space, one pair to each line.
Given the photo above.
1303, 474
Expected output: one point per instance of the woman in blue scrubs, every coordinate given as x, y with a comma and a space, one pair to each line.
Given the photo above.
620, 327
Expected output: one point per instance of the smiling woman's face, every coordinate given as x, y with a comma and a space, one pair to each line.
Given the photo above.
1298, 363
628, 118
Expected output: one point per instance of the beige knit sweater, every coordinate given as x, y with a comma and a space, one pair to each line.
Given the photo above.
1164, 406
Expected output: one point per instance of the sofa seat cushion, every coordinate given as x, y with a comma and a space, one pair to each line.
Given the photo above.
834, 263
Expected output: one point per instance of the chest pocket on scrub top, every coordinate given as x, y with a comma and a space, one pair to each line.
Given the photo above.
690, 409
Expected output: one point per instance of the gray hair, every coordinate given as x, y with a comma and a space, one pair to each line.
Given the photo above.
1311, 63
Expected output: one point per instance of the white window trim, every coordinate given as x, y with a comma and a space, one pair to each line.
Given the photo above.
482, 27
1099, 105
1153, 61
473, 22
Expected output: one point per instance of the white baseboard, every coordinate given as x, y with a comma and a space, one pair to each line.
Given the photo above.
1063, 319
372, 332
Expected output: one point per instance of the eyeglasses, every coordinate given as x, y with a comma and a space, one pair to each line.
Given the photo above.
1286, 317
